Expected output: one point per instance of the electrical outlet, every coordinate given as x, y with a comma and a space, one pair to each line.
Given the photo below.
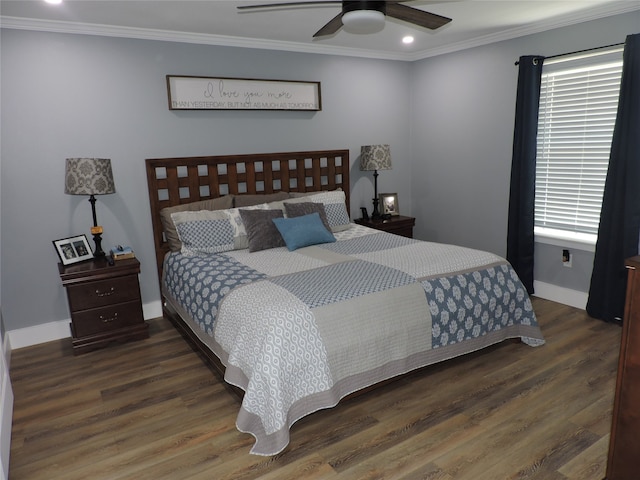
566, 258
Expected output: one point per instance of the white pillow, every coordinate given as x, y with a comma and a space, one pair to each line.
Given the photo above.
203, 232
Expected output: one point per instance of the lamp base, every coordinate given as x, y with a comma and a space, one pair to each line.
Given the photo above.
96, 230
97, 238
375, 215
98, 252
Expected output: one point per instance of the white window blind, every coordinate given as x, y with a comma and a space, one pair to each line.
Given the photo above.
578, 105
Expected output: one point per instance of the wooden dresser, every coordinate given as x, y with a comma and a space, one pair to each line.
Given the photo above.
624, 445
104, 301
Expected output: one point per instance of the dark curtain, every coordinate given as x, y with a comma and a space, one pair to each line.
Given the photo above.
520, 239
620, 215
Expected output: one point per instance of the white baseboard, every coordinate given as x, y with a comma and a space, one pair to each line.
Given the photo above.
46, 332
566, 296
6, 349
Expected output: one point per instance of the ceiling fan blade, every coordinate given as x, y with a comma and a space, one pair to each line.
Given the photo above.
288, 4
416, 16
330, 28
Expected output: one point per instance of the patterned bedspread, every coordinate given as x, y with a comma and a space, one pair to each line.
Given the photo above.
298, 331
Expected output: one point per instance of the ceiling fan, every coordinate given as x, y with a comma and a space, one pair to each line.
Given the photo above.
365, 16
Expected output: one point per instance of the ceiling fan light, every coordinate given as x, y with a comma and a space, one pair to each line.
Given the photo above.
363, 21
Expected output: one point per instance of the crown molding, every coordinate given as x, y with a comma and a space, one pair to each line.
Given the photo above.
595, 13
19, 23
609, 10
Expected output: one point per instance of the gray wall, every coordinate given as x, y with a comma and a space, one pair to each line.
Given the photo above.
73, 95
448, 119
464, 106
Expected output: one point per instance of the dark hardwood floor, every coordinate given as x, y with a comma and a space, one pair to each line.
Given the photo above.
153, 410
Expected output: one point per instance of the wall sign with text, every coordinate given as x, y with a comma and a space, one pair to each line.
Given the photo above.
217, 93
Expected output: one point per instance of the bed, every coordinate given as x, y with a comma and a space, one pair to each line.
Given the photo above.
295, 306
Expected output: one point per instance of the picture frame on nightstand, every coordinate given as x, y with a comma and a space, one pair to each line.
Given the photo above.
73, 249
389, 204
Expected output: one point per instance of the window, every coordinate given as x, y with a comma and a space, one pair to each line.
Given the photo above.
578, 105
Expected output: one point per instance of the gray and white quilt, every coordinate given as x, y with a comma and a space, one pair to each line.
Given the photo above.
298, 331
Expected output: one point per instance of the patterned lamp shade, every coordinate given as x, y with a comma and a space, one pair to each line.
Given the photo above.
375, 157
88, 176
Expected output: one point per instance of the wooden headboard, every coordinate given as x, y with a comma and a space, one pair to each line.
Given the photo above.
176, 181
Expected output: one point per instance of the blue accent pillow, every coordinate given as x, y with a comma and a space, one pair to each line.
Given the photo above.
303, 231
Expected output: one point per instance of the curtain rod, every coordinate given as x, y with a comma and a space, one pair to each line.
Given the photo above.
578, 51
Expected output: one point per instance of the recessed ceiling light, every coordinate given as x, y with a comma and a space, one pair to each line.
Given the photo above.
407, 40
54, 2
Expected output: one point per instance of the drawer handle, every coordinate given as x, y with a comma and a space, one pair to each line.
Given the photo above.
109, 319
111, 291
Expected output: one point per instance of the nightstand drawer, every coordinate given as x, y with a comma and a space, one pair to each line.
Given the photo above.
100, 320
103, 292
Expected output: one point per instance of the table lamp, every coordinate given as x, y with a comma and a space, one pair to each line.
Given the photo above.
375, 157
90, 176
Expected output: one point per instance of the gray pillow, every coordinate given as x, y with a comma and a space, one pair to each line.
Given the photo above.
301, 194
305, 208
261, 231
247, 200
170, 233
334, 206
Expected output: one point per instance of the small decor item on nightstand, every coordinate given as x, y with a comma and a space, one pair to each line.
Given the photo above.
389, 203
90, 176
73, 249
122, 253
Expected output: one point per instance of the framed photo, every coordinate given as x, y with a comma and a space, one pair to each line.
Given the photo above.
73, 250
389, 204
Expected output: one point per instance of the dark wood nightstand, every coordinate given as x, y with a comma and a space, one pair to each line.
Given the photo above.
104, 302
398, 225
